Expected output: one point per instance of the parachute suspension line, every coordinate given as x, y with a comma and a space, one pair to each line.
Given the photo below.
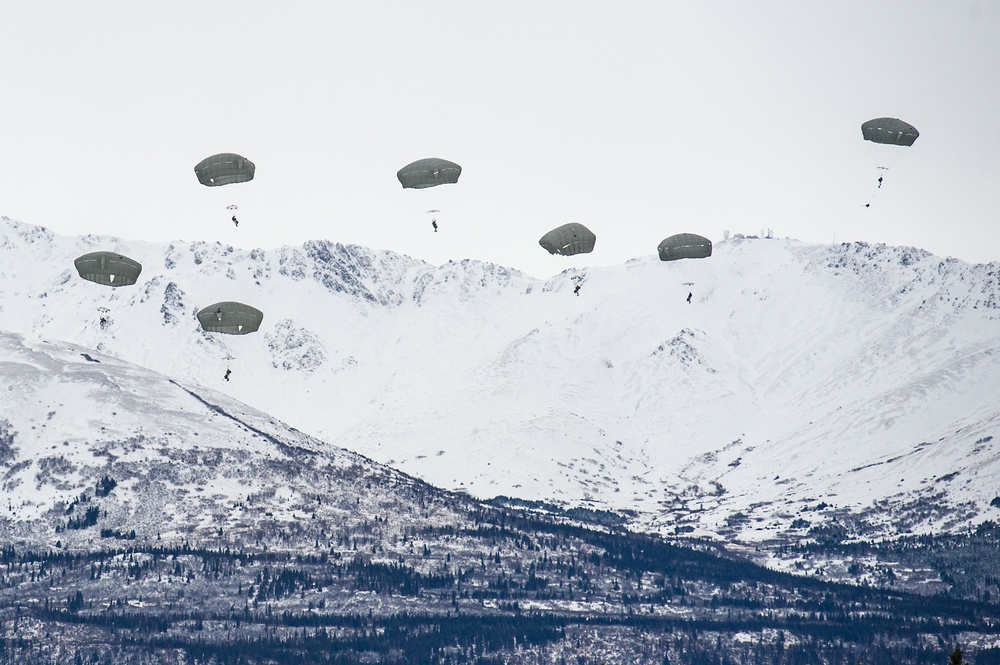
884, 157
875, 193
880, 179
884, 153
225, 202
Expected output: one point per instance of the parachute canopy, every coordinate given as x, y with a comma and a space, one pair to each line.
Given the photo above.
889, 131
684, 246
569, 239
108, 268
226, 168
232, 318
429, 173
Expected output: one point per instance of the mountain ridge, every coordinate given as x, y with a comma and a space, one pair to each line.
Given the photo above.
851, 375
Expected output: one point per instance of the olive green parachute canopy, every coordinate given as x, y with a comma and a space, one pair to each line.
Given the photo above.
890, 131
108, 268
232, 318
429, 173
684, 246
226, 168
569, 239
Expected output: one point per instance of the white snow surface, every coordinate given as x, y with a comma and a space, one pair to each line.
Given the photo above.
862, 377
175, 461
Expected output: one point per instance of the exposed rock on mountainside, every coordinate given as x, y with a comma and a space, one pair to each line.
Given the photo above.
153, 521
854, 375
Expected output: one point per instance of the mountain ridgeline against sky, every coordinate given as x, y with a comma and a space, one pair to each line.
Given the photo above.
801, 383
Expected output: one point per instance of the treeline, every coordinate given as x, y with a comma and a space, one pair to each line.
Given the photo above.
481, 641
469, 591
398, 639
863, 628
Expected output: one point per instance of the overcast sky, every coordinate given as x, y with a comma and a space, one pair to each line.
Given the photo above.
637, 119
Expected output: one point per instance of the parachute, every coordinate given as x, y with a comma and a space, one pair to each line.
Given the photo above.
428, 173
231, 318
569, 239
684, 246
889, 131
226, 168
108, 268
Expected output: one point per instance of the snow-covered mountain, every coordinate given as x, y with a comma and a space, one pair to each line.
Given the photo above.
151, 520
802, 382
87, 439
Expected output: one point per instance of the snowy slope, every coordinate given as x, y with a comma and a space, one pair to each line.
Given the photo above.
163, 462
863, 378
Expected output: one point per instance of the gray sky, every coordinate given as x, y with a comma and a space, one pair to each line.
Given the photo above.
638, 119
